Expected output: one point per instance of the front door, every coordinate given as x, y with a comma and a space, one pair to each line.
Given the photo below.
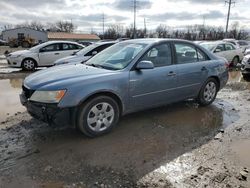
49, 54
153, 87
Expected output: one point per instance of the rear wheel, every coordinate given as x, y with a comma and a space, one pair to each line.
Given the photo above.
28, 64
98, 116
208, 92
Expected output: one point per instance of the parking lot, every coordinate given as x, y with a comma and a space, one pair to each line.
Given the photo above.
180, 145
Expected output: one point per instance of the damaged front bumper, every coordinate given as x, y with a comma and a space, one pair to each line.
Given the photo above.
49, 113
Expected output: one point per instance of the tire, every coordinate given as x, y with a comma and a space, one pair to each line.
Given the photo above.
235, 61
98, 116
28, 64
208, 92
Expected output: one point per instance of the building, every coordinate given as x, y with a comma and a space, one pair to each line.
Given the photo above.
23, 32
72, 37
43, 36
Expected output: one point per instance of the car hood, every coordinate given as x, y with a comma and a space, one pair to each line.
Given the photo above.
20, 52
69, 59
62, 76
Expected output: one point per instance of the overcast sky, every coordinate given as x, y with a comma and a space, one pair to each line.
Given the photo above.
87, 14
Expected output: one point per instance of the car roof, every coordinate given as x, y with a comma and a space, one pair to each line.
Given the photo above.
216, 42
105, 42
154, 40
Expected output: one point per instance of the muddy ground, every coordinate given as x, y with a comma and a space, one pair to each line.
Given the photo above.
180, 145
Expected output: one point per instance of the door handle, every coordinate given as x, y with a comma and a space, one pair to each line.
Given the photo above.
56, 53
171, 73
203, 69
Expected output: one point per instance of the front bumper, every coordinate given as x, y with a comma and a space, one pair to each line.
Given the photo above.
14, 62
49, 113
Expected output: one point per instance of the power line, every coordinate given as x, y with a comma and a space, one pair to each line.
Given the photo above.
228, 14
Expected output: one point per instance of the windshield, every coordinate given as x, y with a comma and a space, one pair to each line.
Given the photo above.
117, 56
87, 49
208, 46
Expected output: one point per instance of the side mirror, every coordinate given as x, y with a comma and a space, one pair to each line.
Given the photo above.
74, 53
217, 50
94, 53
144, 65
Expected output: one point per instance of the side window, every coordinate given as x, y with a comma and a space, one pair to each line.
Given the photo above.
65, 46
68, 46
76, 46
220, 48
186, 53
229, 47
159, 55
201, 56
51, 48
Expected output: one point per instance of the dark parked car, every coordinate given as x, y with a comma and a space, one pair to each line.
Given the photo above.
127, 77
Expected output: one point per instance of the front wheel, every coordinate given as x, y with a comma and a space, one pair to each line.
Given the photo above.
208, 92
98, 116
28, 64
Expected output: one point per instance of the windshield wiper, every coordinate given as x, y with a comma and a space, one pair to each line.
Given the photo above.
101, 66
91, 64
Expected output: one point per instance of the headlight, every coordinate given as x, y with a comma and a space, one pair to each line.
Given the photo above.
48, 96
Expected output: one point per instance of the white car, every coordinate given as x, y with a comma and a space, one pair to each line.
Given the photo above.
85, 54
42, 55
227, 50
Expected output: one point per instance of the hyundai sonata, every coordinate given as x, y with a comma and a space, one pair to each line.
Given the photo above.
129, 76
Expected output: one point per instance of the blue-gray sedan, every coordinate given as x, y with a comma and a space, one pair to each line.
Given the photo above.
129, 76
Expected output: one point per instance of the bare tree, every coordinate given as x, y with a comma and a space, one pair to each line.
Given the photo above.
162, 31
32, 25
114, 31
65, 26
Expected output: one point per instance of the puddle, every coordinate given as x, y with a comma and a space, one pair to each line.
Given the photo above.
9, 98
241, 149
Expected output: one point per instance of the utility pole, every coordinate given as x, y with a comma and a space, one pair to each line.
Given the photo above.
228, 14
135, 6
145, 27
103, 22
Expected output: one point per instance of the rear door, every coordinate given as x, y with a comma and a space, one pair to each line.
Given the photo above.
69, 49
153, 87
49, 54
192, 69
230, 52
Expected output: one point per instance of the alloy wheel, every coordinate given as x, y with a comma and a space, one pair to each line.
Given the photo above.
100, 117
209, 91
29, 64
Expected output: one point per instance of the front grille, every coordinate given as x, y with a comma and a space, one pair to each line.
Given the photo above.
27, 92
